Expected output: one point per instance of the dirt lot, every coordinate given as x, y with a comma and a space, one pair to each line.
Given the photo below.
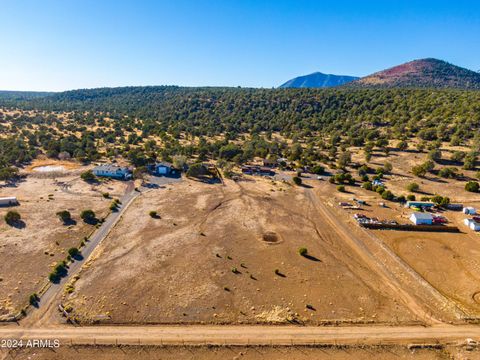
212, 257
28, 250
237, 353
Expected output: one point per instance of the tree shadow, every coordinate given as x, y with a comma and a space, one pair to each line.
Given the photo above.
70, 222
311, 258
19, 224
91, 221
78, 257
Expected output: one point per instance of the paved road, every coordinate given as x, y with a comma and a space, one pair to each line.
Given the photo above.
246, 335
47, 300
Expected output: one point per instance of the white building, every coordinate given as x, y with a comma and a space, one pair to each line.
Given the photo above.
112, 171
8, 201
469, 210
419, 218
472, 224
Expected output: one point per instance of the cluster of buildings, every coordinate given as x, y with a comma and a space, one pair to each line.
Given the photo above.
125, 173
257, 170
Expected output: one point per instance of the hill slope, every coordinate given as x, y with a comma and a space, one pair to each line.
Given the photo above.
423, 73
318, 80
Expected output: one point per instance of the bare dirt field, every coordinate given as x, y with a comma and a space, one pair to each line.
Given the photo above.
237, 353
229, 254
28, 251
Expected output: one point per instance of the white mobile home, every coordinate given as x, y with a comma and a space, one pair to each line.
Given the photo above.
8, 201
419, 218
469, 210
113, 171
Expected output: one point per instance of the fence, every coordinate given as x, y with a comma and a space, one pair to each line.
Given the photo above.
411, 227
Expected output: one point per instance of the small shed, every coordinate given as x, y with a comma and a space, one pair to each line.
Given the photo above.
469, 210
419, 218
8, 201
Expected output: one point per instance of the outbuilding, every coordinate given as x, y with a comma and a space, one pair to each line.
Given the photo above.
419, 204
163, 168
472, 224
469, 210
8, 201
419, 218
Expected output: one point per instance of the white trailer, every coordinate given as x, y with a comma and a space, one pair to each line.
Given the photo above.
8, 201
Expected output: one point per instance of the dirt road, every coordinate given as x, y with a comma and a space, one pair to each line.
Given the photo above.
245, 335
47, 301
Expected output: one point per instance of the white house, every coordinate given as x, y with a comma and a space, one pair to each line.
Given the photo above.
113, 171
419, 218
472, 224
469, 210
8, 201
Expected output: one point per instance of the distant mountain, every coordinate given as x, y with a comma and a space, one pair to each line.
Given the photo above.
423, 73
318, 80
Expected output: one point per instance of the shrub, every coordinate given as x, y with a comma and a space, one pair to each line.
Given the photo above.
64, 216
235, 270
472, 186
153, 214
302, 251
457, 156
88, 215
33, 300
367, 186
87, 176
318, 169
388, 167
411, 197
448, 172
73, 252
401, 199
413, 187
331, 180
197, 170
12, 217
106, 195
297, 181
341, 188
387, 195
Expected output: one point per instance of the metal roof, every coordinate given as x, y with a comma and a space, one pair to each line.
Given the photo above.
110, 167
423, 216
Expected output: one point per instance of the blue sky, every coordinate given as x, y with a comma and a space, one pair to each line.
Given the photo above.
69, 44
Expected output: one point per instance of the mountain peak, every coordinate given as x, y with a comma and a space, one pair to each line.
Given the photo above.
318, 80
422, 73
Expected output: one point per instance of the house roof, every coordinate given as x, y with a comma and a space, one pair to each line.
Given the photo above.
422, 216
110, 167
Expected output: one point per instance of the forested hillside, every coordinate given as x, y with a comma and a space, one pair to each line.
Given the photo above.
313, 125
217, 110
